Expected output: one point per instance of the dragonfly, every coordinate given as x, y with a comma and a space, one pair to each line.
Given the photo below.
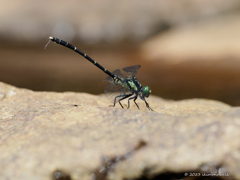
120, 85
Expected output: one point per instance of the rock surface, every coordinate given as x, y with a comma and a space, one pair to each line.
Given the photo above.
77, 136
198, 60
95, 21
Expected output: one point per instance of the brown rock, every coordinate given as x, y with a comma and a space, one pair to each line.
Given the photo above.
197, 60
77, 136
101, 21
210, 40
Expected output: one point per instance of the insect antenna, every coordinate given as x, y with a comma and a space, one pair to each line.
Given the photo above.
47, 44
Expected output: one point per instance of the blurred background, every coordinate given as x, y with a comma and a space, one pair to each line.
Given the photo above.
187, 48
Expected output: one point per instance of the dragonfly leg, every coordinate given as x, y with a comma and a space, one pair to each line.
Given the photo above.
126, 96
116, 99
135, 97
148, 106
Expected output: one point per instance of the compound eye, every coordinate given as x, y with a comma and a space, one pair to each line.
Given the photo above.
146, 91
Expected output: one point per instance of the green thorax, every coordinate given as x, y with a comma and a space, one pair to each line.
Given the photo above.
131, 84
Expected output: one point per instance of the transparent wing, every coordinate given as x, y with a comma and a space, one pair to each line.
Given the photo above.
118, 73
109, 79
131, 71
112, 90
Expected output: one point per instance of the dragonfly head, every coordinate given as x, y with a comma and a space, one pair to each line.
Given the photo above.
145, 92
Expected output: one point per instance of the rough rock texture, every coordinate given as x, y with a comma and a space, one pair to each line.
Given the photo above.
77, 136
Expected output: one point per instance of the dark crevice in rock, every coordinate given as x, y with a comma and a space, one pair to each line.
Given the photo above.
60, 175
181, 176
206, 172
108, 164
